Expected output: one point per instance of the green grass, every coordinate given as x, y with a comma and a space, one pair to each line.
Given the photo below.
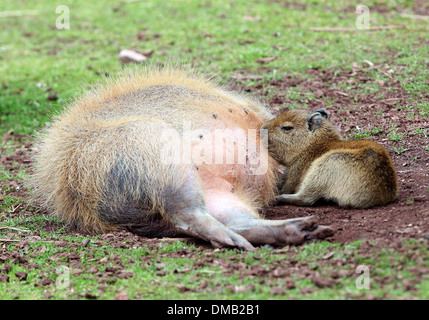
399, 150
36, 57
366, 133
394, 135
180, 278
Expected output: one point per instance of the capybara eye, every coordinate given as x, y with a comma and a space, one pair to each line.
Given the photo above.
287, 128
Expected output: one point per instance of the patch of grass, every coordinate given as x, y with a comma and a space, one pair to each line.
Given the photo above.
362, 135
46, 57
424, 132
157, 275
366, 133
394, 135
399, 150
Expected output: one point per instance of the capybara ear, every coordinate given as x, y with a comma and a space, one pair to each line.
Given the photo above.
314, 121
323, 113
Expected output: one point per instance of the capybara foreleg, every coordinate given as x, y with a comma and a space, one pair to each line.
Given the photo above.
295, 199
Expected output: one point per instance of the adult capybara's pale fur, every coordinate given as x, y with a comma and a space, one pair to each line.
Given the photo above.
100, 164
319, 164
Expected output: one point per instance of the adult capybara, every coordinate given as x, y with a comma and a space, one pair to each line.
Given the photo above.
162, 152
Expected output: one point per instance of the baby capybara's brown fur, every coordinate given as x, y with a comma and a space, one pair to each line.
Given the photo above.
319, 164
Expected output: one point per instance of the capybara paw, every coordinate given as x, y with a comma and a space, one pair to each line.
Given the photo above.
288, 199
224, 237
298, 231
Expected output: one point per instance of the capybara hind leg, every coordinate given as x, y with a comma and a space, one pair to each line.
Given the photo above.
239, 218
278, 232
189, 215
199, 223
